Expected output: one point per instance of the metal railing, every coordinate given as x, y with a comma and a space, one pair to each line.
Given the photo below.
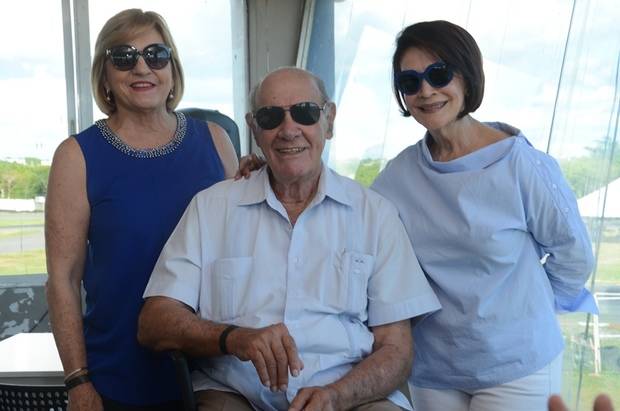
596, 329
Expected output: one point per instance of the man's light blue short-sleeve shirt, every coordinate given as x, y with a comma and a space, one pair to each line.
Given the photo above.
345, 265
480, 225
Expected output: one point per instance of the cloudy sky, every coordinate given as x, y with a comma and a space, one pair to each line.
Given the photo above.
523, 44
32, 76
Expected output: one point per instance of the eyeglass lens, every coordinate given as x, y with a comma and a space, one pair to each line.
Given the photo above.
437, 75
124, 58
270, 117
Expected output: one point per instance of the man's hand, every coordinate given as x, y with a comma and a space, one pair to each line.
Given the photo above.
601, 403
84, 398
315, 399
247, 164
272, 350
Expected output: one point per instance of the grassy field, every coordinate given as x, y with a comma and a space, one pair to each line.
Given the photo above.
14, 227
19, 232
10, 219
608, 268
591, 386
27, 262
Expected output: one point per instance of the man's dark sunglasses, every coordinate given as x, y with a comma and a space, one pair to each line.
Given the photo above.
306, 114
124, 58
437, 75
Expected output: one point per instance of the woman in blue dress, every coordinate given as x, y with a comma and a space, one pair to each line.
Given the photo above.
496, 229
116, 192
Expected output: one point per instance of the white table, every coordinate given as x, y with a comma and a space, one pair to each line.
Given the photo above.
30, 359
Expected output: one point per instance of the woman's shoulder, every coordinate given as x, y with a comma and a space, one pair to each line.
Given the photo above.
406, 156
73, 145
398, 167
522, 149
531, 164
68, 149
90, 135
525, 152
403, 162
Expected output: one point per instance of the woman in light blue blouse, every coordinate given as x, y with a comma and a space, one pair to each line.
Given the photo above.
482, 208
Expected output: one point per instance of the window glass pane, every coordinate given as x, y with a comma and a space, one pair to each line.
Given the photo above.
521, 67
32, 74
34, 121
202, 32
557, 82
584, 140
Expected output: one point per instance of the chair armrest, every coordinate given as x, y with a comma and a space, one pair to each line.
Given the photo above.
184, 379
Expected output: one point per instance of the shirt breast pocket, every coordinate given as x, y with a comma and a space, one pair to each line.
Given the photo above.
230, 281
355, 270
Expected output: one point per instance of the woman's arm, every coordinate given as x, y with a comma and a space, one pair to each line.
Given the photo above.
67, 215
225, 149
555, 224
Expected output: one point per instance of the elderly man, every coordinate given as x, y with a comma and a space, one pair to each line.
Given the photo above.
302, 281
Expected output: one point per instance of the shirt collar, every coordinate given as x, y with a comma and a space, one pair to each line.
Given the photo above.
477, 160
329, 186
255, 190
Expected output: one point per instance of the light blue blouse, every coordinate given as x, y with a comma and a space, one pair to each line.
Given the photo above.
480, 226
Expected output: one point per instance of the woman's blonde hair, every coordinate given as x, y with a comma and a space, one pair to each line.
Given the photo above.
116, 31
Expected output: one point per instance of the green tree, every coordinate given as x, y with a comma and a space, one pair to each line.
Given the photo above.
367, 171
23, 180
590, 172
32, 161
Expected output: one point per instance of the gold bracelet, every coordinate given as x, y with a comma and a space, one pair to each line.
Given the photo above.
75, 372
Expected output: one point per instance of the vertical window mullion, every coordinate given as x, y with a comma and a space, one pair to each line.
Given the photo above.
69, 67
82, 64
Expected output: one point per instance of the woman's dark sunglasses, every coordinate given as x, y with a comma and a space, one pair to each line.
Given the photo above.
437, 75
124, 58
306, 114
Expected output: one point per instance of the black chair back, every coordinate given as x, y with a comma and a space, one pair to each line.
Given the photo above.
220, 119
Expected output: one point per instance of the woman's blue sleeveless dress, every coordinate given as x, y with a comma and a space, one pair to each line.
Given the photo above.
136, 199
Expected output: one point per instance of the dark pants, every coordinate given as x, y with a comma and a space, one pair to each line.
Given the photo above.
110, 405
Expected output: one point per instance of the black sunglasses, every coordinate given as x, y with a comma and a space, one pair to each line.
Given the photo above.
124, 58
306, 114
437, 75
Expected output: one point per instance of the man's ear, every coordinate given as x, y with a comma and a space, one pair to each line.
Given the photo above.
249, 119
330, 114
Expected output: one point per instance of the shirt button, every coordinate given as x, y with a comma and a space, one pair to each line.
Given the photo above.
538, 162
554, 186
566, 209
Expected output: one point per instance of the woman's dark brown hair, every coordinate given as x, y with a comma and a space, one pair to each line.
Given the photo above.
451, 44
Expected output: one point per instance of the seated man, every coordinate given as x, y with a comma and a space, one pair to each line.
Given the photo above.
302, 280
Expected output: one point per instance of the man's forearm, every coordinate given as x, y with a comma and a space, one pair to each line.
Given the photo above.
382, 372
167, 324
